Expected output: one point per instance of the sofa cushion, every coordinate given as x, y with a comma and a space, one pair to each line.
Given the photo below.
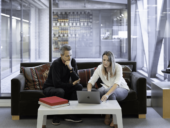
131, 96
127, 71
31, 95
35, 76
85, 75
31, 81
42, 74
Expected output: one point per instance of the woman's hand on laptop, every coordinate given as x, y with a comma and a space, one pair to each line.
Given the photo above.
104, 97
89, 86
76, 82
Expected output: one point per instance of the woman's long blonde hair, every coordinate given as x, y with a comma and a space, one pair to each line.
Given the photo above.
112, 63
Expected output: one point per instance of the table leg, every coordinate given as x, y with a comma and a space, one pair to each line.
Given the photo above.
119, 120
114, 119
40, 120
44, 121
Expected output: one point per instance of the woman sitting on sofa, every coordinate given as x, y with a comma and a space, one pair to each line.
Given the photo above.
111, 75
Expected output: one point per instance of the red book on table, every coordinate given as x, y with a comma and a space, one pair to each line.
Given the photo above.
53, 102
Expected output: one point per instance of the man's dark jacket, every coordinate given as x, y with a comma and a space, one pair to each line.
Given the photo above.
59, 75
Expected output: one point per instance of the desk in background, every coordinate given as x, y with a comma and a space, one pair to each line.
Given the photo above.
160, 98
167, 73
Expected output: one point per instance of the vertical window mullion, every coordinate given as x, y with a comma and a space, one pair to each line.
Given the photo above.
21, 34
10, 38
50, 29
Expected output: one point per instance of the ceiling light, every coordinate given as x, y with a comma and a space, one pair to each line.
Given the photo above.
4, 15
13, 17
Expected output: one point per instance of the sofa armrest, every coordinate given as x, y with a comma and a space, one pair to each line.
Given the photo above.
17, 85
139, 86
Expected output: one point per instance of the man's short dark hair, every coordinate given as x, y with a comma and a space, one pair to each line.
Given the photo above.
64, 48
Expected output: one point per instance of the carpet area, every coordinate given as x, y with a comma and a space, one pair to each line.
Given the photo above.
153, 120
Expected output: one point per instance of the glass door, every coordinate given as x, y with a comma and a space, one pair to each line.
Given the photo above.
5, 40
16, 35
20, 34
24, 36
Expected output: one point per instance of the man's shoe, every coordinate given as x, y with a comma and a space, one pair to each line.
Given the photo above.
56, 120
73, 118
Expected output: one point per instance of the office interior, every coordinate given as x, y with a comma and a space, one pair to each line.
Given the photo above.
133, 30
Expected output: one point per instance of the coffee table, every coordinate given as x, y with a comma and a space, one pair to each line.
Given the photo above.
108, 107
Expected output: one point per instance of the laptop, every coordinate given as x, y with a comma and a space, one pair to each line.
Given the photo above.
88, 97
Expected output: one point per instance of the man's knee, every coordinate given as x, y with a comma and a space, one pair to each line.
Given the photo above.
57, 92
60, 92
78, 87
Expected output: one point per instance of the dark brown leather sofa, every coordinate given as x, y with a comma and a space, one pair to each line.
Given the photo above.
25, 102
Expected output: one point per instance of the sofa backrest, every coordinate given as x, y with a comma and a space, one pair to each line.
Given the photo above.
83, 65
32, 64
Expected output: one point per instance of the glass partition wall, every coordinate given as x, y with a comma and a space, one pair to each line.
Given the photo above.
150, 38
89, 31
24, 36
90, 27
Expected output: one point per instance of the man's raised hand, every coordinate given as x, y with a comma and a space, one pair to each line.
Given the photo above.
68, 64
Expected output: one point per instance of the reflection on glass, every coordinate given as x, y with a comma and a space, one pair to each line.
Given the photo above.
16, 36
5, 59
26, 34
89, 34
150, 27
73, 28
114, 32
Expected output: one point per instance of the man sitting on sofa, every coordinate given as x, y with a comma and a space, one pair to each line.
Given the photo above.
57, 83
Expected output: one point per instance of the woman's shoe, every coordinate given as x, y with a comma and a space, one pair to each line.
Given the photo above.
113, 125
107, 119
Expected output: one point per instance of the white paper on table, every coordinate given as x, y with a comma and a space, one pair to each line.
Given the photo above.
105, 86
